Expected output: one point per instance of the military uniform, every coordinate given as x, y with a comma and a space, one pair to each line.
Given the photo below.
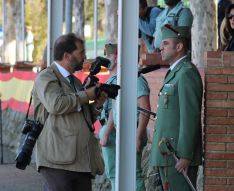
108, 152
142, 90
177, 16
179, 119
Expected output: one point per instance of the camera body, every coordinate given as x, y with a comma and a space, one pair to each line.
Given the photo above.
110, 89
32, 131
94, 69
96, 65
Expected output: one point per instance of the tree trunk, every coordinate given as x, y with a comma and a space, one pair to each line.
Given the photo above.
111, 7
204, 30
9, 34
79, 17
19, 30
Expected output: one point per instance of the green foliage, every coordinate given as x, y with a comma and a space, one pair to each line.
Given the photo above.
36, 17
89, 14
89, 7
162, 3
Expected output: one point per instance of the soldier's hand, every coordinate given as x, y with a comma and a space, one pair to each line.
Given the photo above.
104, 141
182, 164
139, 147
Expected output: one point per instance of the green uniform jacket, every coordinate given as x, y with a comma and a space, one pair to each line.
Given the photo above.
179, 115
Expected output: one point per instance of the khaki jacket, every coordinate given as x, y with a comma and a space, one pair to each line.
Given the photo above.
179, 116
65, 141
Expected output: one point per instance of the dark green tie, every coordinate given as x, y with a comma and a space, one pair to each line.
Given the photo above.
72, 82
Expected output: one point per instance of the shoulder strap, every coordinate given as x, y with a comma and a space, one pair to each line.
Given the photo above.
177, 16
30, 102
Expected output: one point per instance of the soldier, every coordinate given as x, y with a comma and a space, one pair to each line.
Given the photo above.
175, 14
178, 113
108, 132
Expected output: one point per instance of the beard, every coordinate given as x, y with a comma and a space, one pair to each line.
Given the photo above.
78, 66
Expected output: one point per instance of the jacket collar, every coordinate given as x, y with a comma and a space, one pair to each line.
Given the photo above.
175, 70
61, 78
59, 75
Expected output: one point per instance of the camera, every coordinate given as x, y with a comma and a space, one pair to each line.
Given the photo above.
32, 131
110, 89
96, 65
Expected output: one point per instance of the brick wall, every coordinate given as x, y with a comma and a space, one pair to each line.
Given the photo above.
219, 122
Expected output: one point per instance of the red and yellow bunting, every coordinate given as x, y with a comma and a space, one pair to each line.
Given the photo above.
16, 87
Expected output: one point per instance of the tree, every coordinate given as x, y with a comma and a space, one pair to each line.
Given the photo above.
111, 7
19, 30
204, 29
89, 14
9, 34
36, 17
79, 17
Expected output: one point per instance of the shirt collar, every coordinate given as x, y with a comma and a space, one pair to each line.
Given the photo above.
176, 62
62, 70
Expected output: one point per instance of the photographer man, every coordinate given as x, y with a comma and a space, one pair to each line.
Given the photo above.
108, 135
65, 149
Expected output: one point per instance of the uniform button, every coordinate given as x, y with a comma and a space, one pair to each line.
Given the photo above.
156, 117
160, 93
157, 106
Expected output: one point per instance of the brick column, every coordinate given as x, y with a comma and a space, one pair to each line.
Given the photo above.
219, 122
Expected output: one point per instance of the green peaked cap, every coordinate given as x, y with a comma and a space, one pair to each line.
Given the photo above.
169, 31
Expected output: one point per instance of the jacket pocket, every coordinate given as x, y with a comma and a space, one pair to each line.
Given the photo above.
166, 95
61, 146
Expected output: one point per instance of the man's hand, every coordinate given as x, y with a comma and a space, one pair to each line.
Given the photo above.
91, 93
182, 164
101, 99
87, 82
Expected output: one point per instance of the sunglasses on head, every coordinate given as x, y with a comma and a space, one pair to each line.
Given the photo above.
230, 16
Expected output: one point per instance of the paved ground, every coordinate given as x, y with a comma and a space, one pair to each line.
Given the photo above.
13, 179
